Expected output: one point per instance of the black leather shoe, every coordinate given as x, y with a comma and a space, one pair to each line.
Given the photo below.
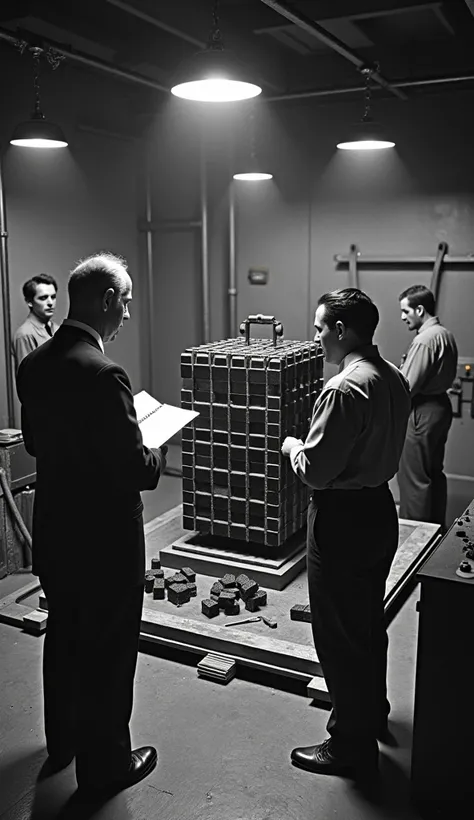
142, 764
322, 759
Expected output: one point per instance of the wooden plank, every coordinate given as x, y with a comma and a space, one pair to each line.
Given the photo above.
232, 641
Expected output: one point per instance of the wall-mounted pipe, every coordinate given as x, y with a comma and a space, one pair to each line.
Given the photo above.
7, 325
149, 277
313, 28
232, 291
205, 281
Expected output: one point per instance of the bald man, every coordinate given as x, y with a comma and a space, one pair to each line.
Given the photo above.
79, 421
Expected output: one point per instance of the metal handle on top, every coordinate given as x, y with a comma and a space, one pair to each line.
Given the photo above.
260, 319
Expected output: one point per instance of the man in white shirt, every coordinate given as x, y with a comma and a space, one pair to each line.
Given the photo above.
351, 451
40, 294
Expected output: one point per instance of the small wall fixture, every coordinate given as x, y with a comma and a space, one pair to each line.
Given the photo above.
38, 132
213, 75
368, 135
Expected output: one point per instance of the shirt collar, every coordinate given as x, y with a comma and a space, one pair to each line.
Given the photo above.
364, 352
88, 329
429, 323
37, 322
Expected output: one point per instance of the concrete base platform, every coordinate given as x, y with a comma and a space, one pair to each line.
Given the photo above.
273, 569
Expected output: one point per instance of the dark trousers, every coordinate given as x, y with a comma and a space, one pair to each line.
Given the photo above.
89, 661
352, 539
422, 482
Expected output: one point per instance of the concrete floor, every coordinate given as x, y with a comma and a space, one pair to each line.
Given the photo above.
224, 750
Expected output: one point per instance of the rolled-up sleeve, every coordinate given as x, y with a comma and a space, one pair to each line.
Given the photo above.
334, 429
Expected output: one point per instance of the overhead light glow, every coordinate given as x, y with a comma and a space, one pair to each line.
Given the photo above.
216, 90
365, 145
39, 143
254, 176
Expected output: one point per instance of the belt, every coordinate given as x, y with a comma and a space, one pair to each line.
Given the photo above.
422, 398
332, 493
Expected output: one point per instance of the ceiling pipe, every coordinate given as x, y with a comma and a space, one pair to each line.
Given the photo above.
311, 27
19, 41
330, 92
157, 23
27, 38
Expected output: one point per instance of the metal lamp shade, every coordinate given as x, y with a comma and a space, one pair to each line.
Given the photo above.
38, 133
367, 135
213, 75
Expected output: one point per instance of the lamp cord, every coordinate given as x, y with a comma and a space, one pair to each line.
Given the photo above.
367, 95
215, 36
36, 80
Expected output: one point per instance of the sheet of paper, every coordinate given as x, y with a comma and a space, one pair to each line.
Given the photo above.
162, 420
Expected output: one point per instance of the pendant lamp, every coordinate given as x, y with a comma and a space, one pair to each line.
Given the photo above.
251, 169
214, 75
367, 135
38, 132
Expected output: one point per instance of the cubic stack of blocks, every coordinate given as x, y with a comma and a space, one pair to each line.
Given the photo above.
181, 586
236, 483
226, 592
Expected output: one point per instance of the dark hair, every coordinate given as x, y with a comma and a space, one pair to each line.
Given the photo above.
29, 288
353, 308
420, 295
94, 275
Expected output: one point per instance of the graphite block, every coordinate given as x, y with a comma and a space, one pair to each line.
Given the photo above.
178, 594
248, 589
226, 600
252, 604
300, 612
233, 610
177, 578
228, 580
158, 589
149, 581
188, 573
217, 588
157, 573
155, 563
261, 597
242, 579
209, 608
192, 588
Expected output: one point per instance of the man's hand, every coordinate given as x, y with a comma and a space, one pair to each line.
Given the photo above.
288, 445
160, 453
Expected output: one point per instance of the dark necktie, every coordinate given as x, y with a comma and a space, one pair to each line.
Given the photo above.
48, 329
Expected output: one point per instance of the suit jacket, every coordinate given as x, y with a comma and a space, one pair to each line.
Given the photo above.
79, 421
30, 335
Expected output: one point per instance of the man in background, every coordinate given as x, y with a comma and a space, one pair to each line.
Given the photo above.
430, 367
351, 452
79, 421
40, 295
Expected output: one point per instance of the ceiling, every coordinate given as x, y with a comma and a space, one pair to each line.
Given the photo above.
411, 40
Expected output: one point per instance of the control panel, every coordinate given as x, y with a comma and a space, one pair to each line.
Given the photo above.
462, 392
464, 531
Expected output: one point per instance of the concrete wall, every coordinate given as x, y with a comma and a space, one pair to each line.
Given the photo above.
400, 202
65, 204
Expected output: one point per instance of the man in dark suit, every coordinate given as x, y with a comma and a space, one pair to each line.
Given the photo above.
79, 421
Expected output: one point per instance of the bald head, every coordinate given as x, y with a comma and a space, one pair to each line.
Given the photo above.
100, 290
